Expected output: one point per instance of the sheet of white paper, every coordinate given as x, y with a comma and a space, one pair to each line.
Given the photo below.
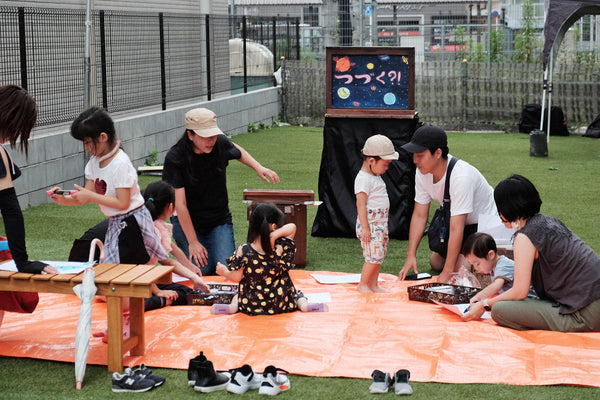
63, 267
461, 309
8, 266
493, 226
324, 297
333, 279
178, 278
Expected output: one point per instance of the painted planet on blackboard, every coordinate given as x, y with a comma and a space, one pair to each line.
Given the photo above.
370, 66
356, 104
389, 98
343, 92
384, 57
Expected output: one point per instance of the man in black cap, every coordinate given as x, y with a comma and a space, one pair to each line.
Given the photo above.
470, 197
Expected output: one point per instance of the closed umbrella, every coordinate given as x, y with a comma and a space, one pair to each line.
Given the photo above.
86, 291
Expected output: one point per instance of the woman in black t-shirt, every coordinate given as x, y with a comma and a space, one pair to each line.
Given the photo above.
196, 167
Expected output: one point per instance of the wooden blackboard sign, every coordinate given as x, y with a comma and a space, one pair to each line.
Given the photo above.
370, 82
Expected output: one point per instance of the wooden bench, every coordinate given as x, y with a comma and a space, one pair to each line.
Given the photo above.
150, 170
115, 281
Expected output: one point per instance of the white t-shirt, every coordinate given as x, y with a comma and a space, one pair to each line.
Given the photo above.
119, 173
374, 187
469, 191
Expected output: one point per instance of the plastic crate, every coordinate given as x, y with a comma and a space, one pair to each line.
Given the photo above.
441, 292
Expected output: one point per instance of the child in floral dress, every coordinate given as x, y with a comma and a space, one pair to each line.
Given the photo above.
261, 266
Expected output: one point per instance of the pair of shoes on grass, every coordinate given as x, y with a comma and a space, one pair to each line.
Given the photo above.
382, 382
203, 377
139, 380
271, 382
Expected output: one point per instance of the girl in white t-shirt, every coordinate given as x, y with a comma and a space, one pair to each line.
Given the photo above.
111, 182
372, 207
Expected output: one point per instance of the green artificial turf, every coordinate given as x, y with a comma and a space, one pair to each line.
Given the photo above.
567, 181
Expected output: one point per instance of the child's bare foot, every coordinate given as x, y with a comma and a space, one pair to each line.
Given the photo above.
378, 289
363, 288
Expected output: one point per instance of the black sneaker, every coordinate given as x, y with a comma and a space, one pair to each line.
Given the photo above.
193, 368
130, 382
381, 382
146, 372
401, 385
209, 380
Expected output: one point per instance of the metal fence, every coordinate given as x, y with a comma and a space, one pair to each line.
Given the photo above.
438, 42
138, 60
463, 95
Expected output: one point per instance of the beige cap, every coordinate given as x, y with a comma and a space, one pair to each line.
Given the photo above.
202, 122
380, 146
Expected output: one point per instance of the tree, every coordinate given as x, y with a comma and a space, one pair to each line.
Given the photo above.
527, 41
497, 43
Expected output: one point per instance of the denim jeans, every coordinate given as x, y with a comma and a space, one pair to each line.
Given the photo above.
219, 244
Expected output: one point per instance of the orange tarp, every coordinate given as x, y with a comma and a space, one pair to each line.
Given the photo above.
360, 333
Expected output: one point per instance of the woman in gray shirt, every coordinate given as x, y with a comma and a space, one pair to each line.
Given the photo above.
562, 268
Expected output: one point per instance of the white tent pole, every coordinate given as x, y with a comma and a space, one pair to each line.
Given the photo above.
544, 97
550, 96
87, 63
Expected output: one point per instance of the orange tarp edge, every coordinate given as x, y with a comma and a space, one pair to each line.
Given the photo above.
360, 333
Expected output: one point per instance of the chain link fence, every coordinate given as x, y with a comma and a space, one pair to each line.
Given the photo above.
462, 95
138, 60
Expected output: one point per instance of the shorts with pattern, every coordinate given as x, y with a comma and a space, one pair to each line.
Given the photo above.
374, 251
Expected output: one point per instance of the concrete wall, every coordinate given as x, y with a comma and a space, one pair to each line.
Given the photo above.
56, 159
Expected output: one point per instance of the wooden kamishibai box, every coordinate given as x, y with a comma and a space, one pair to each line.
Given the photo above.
293, 204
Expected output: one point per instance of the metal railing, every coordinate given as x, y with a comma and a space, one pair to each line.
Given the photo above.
137, 60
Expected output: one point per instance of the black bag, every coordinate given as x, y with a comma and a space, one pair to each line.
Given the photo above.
532, 113
131, 243
81, 247
530, 118
439, 227
558, 122
593, 129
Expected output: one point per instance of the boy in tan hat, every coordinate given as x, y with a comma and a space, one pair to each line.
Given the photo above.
372, 206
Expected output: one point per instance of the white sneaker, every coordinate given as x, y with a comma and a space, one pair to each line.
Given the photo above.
381, 382
273, 382
401, 385
243, 379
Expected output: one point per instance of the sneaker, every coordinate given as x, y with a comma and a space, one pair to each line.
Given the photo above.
193, 368
147, 373
381, 382
130, 382
401, 385
243, 379
273, 382
209, 380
